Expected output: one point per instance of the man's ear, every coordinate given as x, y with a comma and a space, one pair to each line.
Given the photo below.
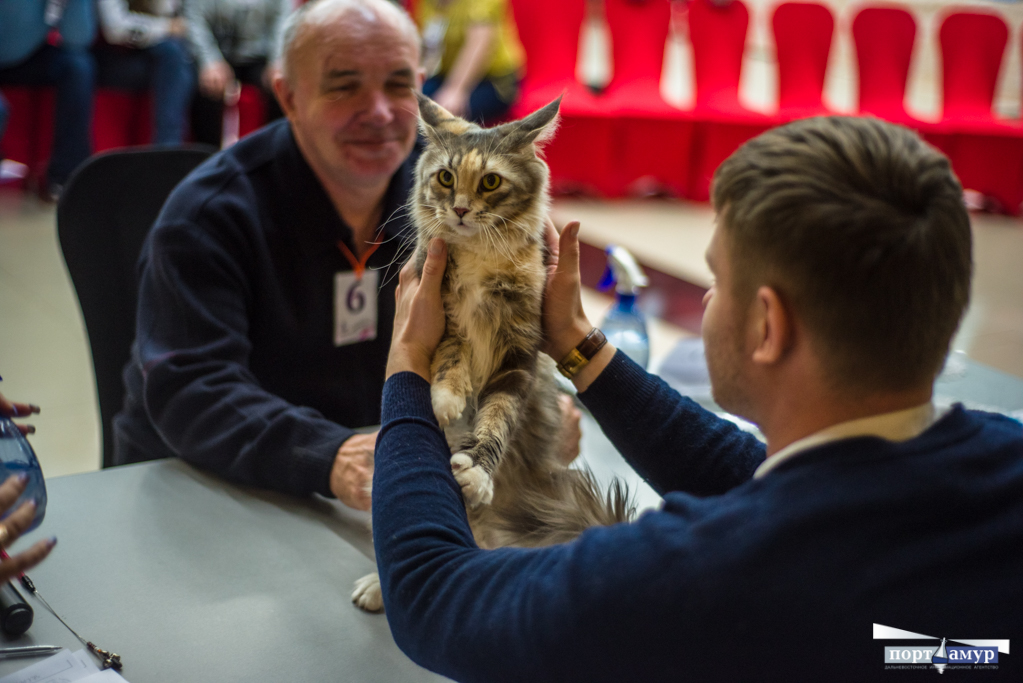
773, 326
284, 93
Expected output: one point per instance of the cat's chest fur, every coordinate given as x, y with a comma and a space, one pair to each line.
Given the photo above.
493, 302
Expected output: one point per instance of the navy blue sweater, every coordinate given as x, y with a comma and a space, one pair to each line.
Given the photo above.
234, 367
735, 579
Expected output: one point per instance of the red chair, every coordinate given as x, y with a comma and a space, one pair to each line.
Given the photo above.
884, 38
121, 119
986, 153
802, 38
549, 33
972, 47
718, 36
29, 134
652, 139
579, 156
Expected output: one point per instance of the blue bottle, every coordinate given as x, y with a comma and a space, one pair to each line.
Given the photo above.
17, 456
624, 325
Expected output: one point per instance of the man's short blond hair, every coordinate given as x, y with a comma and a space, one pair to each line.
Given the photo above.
861, 226
305, 23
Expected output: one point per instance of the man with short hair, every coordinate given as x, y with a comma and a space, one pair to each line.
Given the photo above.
266, 296
266, 293
842, 264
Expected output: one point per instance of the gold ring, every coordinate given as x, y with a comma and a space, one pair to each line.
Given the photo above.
4, 534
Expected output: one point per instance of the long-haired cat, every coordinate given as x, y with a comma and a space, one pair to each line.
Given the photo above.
485, 192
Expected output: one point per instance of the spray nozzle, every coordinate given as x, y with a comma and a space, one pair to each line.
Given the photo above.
622, 271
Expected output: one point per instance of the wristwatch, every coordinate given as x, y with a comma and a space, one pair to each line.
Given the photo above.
580, 356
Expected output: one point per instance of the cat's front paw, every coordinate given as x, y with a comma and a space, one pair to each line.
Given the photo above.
367, 594
477, 484
446, 405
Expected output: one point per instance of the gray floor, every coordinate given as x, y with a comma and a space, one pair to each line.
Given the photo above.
44, 356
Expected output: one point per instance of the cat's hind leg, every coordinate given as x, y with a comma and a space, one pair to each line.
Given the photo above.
499, 406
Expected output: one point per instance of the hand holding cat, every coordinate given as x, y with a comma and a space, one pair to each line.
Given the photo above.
564, 322
419, 316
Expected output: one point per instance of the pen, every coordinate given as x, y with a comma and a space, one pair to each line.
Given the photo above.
29, 651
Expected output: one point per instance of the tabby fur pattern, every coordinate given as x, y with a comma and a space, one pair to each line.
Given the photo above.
485, 192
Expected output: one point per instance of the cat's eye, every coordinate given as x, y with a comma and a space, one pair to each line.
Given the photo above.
490, 182
445, 177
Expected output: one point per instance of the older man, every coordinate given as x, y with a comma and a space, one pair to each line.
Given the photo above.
842, 260
267, 284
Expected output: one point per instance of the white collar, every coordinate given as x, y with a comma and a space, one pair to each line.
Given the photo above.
900, 425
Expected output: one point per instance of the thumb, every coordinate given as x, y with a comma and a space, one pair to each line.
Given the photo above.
568, 247
433, 267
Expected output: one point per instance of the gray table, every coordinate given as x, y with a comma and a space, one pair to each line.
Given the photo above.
191, 579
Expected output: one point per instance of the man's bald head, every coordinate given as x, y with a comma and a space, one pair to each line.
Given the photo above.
323, 20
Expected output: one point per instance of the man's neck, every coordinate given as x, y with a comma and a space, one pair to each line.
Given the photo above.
359, 202
361, 209
807, 413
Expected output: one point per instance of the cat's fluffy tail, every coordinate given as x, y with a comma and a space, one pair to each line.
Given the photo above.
559, 507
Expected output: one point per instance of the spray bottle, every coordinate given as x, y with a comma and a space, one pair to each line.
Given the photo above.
624, 325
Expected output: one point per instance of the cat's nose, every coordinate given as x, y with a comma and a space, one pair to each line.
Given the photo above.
460, 211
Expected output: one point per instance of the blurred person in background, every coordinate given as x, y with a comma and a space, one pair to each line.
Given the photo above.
235, 42
472, 57
46, 42
146, 47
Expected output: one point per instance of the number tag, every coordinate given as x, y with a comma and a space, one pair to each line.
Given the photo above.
355, 307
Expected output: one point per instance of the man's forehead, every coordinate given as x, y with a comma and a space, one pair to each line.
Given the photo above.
385, 51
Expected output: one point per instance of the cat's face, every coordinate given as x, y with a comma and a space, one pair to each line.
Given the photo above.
485, 186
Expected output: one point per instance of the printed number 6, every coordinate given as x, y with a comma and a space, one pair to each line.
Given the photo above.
355, 300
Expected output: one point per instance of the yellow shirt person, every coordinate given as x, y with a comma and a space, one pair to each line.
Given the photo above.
472, 55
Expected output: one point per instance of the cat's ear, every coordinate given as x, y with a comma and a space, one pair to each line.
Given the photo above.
435, 120
535, 129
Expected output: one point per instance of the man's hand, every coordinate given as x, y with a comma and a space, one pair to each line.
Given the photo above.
570, 431
564, 322
351, 478
419, 317
213, 79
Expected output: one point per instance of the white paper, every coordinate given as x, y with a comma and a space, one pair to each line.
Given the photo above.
63, 667
355, 307
106, 676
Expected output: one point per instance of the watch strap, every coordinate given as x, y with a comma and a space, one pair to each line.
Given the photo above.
580, 356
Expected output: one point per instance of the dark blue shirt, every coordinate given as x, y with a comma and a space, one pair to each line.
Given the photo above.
779, 578
234, 367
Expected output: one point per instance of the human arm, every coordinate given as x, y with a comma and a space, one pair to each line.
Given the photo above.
468, 68
134, 29
214, 71
671, 441
197, 299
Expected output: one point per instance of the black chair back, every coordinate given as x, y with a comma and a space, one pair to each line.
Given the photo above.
104, 215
